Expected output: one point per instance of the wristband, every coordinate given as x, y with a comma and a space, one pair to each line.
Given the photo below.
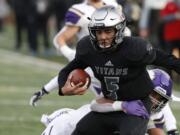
117, 106
68, 52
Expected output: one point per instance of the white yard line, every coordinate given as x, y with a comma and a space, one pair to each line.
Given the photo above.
17, 102
7, 102
15, 89
20, 59
21, 119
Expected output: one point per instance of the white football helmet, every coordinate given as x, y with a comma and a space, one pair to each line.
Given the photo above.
107, 17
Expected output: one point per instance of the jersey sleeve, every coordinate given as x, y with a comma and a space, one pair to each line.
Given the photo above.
147, 55
73, 17
167, 61
77, 62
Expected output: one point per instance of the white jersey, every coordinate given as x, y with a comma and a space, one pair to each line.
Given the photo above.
78, 15
156, 121
170, 121
63, 121
164, 118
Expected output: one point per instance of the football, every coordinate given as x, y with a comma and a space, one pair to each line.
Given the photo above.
79, 75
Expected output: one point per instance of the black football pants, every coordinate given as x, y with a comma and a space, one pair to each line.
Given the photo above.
115, 123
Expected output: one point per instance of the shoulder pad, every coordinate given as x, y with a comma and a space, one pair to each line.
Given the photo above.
137, 48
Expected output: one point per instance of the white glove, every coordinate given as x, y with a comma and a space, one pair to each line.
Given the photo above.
37, 96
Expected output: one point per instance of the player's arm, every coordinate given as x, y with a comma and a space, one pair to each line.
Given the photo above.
159, 58
63, 37
46, 89
65, 87
68, 32
145, 54
167, 60
104, 105
61, 82
155, 131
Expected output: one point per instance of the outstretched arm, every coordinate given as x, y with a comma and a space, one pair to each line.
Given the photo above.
62, 38
46, 89
135, 107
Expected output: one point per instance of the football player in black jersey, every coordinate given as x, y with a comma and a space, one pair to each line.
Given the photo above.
120, 65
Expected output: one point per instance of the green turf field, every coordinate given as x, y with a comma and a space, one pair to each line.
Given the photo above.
20, 76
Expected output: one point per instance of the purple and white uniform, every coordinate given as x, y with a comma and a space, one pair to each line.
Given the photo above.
78, 15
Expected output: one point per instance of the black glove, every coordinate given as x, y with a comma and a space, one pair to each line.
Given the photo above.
37, 96
173, 132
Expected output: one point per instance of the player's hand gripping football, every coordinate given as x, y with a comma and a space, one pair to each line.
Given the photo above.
37, 96
75, 89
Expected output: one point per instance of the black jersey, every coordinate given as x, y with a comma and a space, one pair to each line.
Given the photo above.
122, 72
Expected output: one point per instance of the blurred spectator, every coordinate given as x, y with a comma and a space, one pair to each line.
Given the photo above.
4, 10
25, 17
19, 8
31, 18
132, 12
149, 24
44, 10
170, 17
59, 8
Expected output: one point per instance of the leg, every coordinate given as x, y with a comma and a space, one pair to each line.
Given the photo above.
19, 30
32, 34
129, 124
91, 124
110, 123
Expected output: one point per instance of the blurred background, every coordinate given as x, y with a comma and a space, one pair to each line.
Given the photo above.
28, 58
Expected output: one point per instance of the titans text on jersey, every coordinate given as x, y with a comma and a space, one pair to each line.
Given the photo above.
122, 72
